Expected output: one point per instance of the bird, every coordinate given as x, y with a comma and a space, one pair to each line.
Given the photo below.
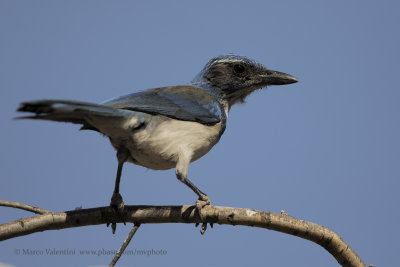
166, 127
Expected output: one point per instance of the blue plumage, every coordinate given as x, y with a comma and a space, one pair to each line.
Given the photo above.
185, 103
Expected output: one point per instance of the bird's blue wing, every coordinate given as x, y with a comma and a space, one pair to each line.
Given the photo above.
186, 103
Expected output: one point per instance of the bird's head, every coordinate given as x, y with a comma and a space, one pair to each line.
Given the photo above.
233, 77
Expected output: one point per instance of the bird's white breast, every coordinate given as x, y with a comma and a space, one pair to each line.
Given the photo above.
159, 144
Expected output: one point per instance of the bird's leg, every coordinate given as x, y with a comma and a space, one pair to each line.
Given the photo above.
204, 200
116, 200
181, 171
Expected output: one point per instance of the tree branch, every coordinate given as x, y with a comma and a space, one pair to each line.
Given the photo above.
187, 214
21, 206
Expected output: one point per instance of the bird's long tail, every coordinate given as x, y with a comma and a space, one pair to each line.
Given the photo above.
90, 116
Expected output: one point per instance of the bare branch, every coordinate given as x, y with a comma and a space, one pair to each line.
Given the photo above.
125, 244
188, 214
22, 206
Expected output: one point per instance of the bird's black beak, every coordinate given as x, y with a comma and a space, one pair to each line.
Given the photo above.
272, 77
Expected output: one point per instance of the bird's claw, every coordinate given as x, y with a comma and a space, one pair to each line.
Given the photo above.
117, 204
201, 203
203, 228
113, 227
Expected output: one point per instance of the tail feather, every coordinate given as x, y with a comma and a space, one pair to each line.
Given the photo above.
90, 116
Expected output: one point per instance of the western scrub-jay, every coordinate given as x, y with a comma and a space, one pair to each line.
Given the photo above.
167, 127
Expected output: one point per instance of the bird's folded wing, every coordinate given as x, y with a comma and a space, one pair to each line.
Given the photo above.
186, 103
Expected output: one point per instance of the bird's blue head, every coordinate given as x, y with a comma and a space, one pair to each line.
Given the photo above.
232, 78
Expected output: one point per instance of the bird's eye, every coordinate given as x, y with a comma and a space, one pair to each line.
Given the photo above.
238, 68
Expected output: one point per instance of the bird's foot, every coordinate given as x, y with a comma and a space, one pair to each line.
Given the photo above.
116, 203
202, 203
118, 206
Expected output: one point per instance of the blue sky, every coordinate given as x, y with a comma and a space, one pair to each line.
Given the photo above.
325, 149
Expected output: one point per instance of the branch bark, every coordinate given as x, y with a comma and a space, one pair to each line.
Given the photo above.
284, 223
